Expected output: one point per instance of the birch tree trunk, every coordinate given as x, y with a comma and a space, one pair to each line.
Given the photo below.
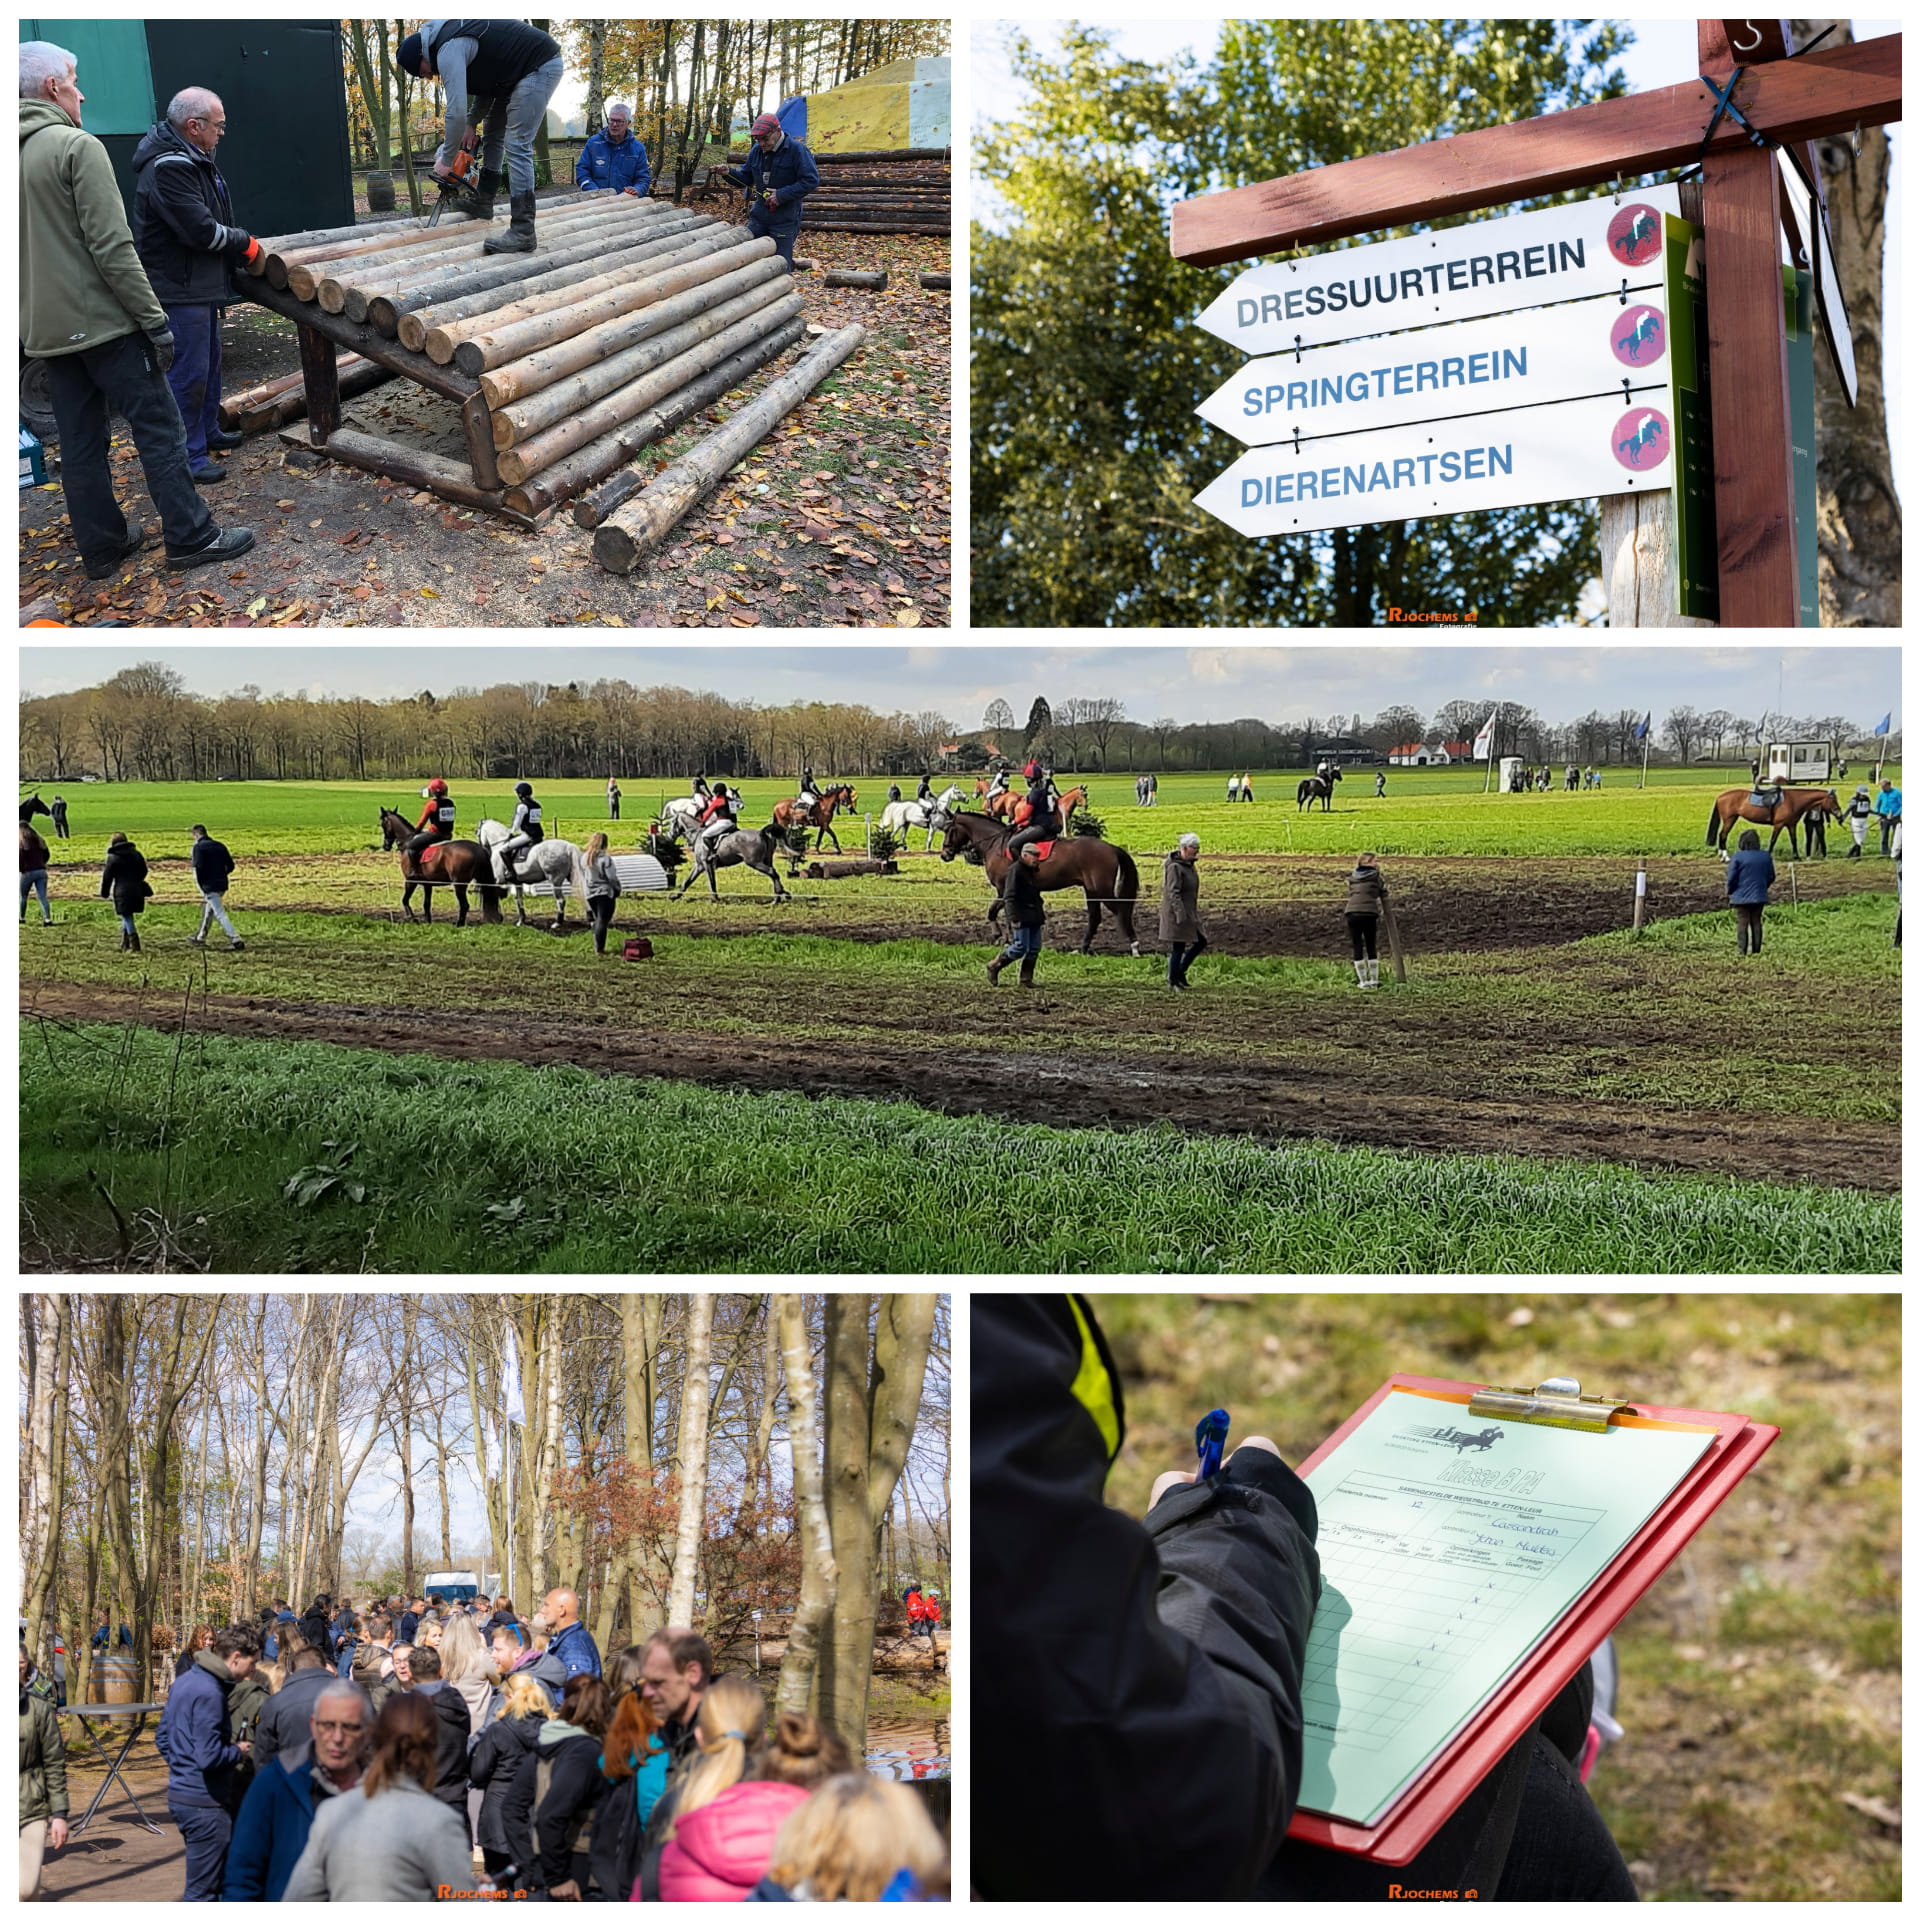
44, 1570
192, 1611
257, 1478
690, 1460
641, 1315
403, 1419
819, 1571
40, 1321
596, 75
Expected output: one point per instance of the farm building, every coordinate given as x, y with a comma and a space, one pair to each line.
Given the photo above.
1416, 754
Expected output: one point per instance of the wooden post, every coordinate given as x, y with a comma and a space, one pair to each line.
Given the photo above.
1640, 561
1393, 940
477, 418
320, 371
1640, 901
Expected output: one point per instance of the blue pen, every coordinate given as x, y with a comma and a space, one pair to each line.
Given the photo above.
1210, 1439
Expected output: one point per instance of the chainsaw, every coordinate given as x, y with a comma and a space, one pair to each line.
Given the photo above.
460, 183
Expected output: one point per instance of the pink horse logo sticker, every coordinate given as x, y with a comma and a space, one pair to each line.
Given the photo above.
1639, 336
1642, 439
1635, 234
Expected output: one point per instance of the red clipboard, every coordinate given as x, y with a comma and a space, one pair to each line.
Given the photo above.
1436, 1794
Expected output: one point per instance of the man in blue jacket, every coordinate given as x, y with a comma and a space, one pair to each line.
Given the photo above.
778, 174
205, 1769
614, 161
277, 1815
184, 232
569, 1641
212, 870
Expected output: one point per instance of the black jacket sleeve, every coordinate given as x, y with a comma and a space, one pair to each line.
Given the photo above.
1156, 1667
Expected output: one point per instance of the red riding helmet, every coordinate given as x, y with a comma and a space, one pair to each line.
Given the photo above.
1031, 770
437, 788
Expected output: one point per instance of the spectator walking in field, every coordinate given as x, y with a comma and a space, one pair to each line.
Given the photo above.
1153, 789
33, 873
212, 871
613, 798
1233, 788
570, 1643
389, 1838
1180, 924
1246, 788
1380, 784
1887, 807
43, 1781
59, 812
1026, 915
123, 880
205, 1768
1366, 900
676, 1671
1750, 878
603, 887
276, 1818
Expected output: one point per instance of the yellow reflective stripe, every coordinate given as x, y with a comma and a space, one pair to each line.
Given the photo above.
1092, 1385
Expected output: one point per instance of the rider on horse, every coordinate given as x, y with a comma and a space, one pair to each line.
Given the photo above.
701, 791
524, 831
1000, 782
436, 820
1037, 817
717, 817
925, 791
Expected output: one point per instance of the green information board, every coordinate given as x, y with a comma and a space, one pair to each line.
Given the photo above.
111, 64
1797, 292
1693, 423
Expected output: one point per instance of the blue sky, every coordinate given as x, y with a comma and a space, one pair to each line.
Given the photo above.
1185, 683
1663, 53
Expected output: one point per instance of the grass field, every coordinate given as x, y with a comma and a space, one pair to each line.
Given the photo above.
1544, 1093
1760, 1677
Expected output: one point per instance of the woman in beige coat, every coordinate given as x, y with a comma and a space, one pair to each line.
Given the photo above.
1180, 924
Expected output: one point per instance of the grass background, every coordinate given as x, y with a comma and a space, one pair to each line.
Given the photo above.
1760, 1676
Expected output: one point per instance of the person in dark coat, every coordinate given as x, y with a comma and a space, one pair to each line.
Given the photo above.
1180, 924
316, 1626
212, 871
59, 812
1750, 878
283, 1720
1366, 901
188, 241
33, 873
123, 880
456, 1727
198, 1641
1026, 915
271, 1830
205, 1769
778, 173
556, 1809
497, 1757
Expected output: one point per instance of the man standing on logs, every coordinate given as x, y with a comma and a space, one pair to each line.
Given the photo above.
88, 310
500, 73
189, 246
779, 173
614, 161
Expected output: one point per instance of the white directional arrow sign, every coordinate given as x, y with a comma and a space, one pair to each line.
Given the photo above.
1487, 266
1535, 454
1438, 373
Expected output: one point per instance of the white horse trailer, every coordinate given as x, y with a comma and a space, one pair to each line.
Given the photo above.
1800, 763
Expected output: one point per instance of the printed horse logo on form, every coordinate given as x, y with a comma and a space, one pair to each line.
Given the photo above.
1642, 438
1635, 235
1638, 336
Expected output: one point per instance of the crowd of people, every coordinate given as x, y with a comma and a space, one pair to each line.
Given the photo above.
413, 1750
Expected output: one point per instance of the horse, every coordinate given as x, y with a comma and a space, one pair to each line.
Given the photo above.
1314, 788
34, 806
1103, 872
558, 863
901, 815
788, 814
458, 864
1737, 803
754, 848
1000, 805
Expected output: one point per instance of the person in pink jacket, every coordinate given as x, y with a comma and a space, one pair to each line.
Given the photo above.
722, 1823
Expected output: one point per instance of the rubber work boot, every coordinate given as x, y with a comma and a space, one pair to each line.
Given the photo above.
482, 209
133, 941
1026, 970
1373, 973
1360, 973
123, 939
993, 969
518, 237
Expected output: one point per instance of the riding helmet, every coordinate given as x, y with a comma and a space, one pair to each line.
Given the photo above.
523, 791
719, 787
436, 787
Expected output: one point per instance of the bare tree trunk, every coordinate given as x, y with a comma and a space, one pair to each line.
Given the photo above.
690, 1460
641, 1316
192, 1610
819, 1572
596, 75
257, 1480
1859, 512
403, 1418
440, 1468
493, 1491
58, 1366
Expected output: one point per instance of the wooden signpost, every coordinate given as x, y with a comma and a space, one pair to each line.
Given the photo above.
1760, 100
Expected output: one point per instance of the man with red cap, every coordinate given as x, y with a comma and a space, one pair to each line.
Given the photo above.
779, 173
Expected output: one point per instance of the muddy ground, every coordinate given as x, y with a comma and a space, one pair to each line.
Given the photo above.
841, 518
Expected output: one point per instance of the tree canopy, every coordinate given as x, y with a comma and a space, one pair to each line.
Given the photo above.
1087, 363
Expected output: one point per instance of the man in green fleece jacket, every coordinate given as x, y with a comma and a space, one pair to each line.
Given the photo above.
88, 311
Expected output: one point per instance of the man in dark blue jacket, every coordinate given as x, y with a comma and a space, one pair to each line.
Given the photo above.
205, 1770
614, 160
277, 1815
778, 174
212, 869
184, 232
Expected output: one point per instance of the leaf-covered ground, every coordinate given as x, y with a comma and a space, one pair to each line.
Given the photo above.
843, 517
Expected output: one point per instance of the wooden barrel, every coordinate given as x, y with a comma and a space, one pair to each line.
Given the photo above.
113, 1679
379, 193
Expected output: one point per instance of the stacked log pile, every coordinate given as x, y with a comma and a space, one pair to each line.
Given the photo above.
908, 191
631, 316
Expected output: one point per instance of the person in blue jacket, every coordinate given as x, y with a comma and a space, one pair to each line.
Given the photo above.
1750, 878
614, 160
1887, 806
206, 1771
778, 174
276, 1817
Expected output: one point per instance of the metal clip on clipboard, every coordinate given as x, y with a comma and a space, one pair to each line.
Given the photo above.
1553, 1403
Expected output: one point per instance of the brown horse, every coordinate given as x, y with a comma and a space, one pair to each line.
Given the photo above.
458, 864
1794, 805
1006, 807
788, 814
1103, 872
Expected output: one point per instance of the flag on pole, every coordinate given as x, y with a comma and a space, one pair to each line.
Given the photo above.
1483, 740
510, 1387
1885, 726
1640, 732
